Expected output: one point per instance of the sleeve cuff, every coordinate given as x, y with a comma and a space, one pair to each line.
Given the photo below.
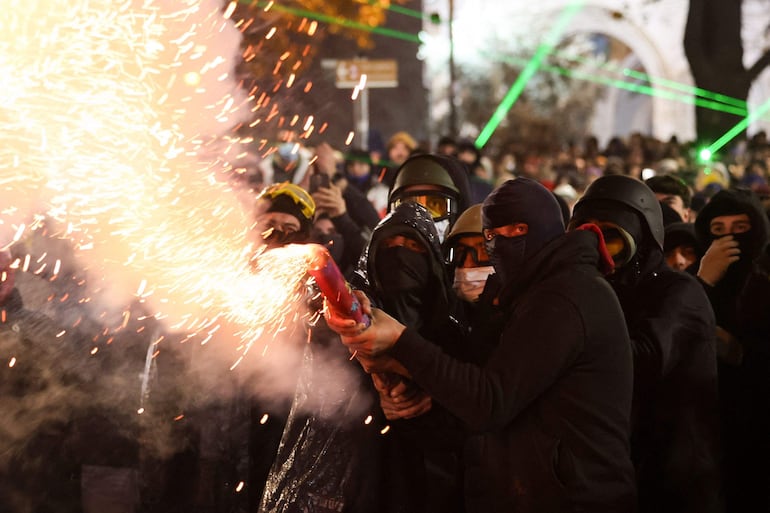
414, 352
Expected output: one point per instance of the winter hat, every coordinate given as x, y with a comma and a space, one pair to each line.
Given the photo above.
524, 200
402, 137
679, 234
288, 198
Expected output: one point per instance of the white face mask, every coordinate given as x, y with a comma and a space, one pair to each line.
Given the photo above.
469, 282
442, 227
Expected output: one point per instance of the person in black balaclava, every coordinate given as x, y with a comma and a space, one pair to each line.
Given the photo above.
674, 438
733, 231
403, 270
548, 410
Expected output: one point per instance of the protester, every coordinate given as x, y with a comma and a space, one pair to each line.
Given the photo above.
733, 230
437, 182
673, 192
475, 284
551, 405
358, 171
680, 246
674, 424
400, 147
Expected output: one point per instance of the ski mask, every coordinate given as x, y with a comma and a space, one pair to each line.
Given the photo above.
469, 282
522, 200
403, 275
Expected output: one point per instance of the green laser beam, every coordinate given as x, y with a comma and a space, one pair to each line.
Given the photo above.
526, 74
402, 10
629, 86
740, 104
342, 22
739, 128
677, 86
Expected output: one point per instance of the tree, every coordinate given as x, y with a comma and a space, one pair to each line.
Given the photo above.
714, 49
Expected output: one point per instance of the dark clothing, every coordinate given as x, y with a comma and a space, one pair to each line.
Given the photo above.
431, 302
330, 459
360, 210
39, 463
480, 189
740, 301
552, 404
675, 423
415, 289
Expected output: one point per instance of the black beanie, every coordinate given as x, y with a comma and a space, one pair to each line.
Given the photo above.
286, 205
679, 234
524, 200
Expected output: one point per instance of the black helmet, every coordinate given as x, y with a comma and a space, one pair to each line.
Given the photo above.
632, 193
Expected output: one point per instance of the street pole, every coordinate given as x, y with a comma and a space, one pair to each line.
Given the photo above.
363, 120
452, 106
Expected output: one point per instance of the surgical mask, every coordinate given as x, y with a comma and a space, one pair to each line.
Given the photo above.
442, 227
470, 281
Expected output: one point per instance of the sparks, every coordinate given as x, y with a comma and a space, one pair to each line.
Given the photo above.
113, 125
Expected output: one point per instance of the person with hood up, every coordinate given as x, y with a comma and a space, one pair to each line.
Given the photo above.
550, 406
733, 230
437, 182
674, 439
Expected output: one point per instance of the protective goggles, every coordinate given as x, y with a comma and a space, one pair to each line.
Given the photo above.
620, 244
440, 206
457, 255
296, 193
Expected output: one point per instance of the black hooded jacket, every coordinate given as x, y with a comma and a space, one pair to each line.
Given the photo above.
551, 406
741, 301
726, 294
675, 426
438, 304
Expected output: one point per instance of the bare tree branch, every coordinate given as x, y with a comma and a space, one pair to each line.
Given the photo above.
759, 66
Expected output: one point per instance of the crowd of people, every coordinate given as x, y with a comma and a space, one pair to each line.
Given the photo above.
587, 330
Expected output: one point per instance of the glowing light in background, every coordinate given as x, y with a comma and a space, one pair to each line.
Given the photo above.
114, 125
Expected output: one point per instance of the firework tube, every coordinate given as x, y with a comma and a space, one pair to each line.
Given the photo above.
333, 285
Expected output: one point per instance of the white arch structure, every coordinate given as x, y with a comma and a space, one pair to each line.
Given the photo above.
654, 31
668, 117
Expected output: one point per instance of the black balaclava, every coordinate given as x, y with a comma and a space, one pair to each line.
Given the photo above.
405, 284
522, 200
729, 203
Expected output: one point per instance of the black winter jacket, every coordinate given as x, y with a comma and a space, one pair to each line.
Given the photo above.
552, 404
675, 413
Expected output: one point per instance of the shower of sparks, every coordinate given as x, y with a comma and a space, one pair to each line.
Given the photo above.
112, 128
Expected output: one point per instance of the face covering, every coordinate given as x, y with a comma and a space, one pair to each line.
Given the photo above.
506, 255
469, 282
442, 227
737, 272
620, 244
403, 280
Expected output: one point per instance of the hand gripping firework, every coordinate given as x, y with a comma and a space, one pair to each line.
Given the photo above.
333, 285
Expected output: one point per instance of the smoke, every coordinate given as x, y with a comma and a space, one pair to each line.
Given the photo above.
119, 200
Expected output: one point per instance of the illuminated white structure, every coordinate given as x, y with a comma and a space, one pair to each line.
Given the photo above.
652, 29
